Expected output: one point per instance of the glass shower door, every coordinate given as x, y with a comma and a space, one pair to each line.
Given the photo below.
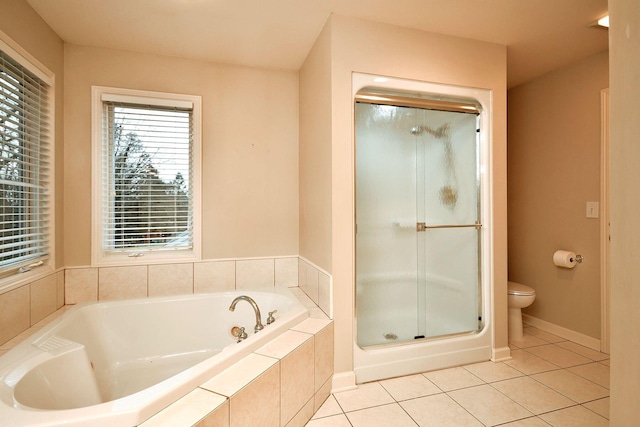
448, 204
417, 224
386, 197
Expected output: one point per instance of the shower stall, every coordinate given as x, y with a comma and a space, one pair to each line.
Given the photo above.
421, 220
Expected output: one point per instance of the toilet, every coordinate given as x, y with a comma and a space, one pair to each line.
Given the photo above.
519, 296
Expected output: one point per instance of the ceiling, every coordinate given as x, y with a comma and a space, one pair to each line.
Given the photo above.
540, 35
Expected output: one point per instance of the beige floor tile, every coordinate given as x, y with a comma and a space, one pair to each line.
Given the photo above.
439, 411
453, 379
381, 416
558, 355
532, 395
329, 407
490, 371
332, 421
596, 372
583, 351
543, 335
410, 387
600, 407
365, 396
571, 385
528, 341
576, 416
527, 422
489, 405
528, 363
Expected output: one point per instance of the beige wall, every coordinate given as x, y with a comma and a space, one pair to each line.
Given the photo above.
360, 46
20, 22
554, 169
625, 205
315, 152
249, 154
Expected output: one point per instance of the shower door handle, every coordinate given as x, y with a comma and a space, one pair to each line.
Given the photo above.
422, 226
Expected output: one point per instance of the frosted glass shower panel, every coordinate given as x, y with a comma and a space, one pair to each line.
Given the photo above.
447, 144
386, 258
452, 300
417, 223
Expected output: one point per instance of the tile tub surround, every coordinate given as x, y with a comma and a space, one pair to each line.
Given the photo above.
305, 351
24, 306
281, 384
110, 283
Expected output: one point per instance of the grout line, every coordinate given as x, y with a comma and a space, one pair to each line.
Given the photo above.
523, 375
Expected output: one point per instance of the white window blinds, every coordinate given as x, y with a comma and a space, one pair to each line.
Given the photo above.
24, 166
147, 176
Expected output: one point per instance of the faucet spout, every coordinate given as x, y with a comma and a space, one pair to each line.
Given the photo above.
259, 326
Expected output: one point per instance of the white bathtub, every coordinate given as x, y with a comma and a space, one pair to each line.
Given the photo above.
118, 363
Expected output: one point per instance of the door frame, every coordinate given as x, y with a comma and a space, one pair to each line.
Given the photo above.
605, 237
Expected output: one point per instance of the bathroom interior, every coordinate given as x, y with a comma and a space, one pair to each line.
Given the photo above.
280, 190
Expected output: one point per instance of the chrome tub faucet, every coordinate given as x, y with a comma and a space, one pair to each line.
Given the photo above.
259, 326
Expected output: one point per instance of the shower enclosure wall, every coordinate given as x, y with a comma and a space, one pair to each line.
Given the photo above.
422, 226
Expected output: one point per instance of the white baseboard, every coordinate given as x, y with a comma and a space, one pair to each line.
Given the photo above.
343, 381
568, 334
500, 354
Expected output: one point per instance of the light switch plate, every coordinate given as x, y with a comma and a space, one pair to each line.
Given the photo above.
592, 209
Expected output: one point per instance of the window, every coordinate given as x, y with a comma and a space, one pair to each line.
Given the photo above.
146, 179
25, 163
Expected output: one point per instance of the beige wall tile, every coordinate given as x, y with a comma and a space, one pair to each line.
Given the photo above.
323, 361
302, 274
44, 298
170, 279
187, 411
257, 404
312, 283
233, 379
60, 289
322, 395
311, 325
297, 380
214, 276
303, 416
254, 273
286, 271
284, 344
324, 293
14, 313
116, 283
219, 417
80, 285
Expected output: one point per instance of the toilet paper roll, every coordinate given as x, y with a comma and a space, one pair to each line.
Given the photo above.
566, 259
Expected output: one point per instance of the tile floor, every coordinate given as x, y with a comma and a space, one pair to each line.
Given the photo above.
549, 382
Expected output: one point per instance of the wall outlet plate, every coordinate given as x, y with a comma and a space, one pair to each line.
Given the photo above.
592, 209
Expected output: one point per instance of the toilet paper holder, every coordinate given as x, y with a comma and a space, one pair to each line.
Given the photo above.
566, 259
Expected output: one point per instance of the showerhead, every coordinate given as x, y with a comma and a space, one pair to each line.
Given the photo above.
440, 133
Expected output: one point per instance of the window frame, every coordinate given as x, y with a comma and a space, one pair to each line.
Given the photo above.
34, 270
100, 257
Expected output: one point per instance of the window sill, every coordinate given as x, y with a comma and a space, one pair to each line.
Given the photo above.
19, 280
147, 258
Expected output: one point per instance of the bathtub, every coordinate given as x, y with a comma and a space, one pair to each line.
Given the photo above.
120, 362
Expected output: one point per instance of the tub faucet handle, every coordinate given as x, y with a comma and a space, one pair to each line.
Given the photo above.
238, 332
270, 318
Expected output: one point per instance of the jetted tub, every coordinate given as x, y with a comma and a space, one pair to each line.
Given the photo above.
118, 363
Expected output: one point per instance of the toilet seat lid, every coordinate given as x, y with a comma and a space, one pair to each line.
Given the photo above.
520, 289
